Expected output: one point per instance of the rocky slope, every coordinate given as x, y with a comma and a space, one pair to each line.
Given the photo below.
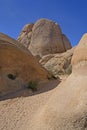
67, 107
17, 66
44, 37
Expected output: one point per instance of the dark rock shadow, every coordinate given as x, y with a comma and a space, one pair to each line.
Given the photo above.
25, 92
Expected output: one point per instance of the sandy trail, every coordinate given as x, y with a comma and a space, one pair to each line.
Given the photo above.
16, 113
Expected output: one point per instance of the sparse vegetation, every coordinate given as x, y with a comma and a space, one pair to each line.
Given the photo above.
11, 76
32, 85
68, 70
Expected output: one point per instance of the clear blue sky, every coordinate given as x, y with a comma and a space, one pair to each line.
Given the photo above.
71, 15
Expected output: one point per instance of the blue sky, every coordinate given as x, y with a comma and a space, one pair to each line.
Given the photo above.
71, 15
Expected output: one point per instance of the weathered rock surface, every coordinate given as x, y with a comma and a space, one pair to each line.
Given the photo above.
67, 108
17, 66
44, 37
58, 64
25, 35
80, 54
66, 42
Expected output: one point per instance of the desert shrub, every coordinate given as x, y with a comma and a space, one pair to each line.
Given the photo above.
32, 85
68, 70
11, 76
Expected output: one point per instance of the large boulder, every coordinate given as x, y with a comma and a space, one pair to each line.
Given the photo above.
44, 37
17, 66
67, 108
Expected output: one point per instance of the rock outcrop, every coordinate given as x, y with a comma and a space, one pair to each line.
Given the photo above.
17, 66
80, 54
58, 64
67, 108
25, 35
44, 37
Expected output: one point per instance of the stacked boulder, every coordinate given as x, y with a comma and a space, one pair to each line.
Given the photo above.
44, 37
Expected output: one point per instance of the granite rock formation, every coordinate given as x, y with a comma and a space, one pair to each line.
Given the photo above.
44, 37
58, 64
25, 35
67, 107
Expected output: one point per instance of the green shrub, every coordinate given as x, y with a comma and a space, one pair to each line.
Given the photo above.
32, 85
11, 76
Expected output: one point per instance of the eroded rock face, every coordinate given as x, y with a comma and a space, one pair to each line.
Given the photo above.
80, 54
25, 35
58, 64
17, 66
44, 37
66, 42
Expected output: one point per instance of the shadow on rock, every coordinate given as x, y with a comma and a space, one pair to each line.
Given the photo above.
24, 92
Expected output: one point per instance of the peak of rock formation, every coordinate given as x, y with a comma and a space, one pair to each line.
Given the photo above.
44, 37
